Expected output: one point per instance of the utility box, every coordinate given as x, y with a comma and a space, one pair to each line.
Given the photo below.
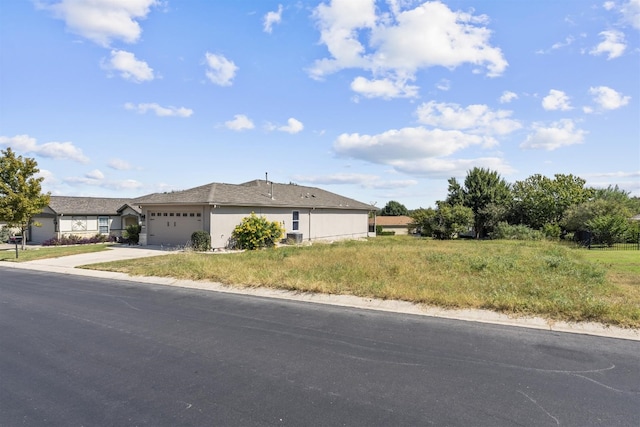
294, 237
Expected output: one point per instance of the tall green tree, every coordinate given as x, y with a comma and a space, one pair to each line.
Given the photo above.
393, 208
455, 194
483, 187
607, 216
20, 191
445, 222
539, 200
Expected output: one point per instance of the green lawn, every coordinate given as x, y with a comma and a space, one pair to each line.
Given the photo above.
33, 253
514, 277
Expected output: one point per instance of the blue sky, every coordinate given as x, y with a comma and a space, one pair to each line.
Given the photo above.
374, 100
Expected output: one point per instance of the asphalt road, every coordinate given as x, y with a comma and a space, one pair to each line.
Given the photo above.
86, 351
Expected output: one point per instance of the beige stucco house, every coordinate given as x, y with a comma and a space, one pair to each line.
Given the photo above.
307, 213
398, 224
83, 216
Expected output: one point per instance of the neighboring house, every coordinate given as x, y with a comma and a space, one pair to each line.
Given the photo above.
83, 216
398, 224
306, 213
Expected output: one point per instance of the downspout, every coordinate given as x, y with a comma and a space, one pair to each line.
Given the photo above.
310, 224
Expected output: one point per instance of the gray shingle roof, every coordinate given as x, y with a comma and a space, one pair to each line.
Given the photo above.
258, 193
89, 205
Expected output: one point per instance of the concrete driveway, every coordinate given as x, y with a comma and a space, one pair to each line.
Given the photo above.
114, 253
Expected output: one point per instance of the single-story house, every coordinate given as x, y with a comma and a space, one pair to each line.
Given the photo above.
398, 224
83, 216
306, 213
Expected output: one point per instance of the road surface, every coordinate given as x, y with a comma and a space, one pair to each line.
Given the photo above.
85, 351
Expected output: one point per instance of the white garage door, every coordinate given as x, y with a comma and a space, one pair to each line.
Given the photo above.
172, 226
46, 230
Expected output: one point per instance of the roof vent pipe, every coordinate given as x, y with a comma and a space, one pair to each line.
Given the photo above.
272, 191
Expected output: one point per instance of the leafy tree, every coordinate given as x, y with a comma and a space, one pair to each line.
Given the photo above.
255, 232
539, 200
444, 222
609, 229
607, 216
20, 192
393, 208
455, 194
483, 187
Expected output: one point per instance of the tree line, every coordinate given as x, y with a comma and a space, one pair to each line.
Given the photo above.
485, 205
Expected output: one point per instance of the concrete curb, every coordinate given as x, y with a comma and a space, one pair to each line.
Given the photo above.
482, 316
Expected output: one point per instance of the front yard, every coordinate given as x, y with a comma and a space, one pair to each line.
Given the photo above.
514, 277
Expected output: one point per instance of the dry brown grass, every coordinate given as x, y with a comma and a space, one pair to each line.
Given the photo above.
515, 277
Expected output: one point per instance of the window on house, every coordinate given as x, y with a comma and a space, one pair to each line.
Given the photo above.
296, 221
103, 225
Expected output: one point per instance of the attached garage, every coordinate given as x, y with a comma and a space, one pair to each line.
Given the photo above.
45, 231
172, 226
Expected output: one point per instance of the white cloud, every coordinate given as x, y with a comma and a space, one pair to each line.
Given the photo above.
54, 150
293, 126
126, 184
119, 164
613, 44
607, 98
336, 178
478, 119
96, 181
560, 134
631, 13
609, 5
507, 97
628, 181
363, 180
447, 167
220, 70
49, 177
159, 110
567, 41
95, 174
383, 88
399, 45
404, 144
272, 18
443, 85
556, 100
129, 67
239, 122
102, 21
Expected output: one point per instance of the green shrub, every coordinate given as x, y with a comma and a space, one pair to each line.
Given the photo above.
5, 232
551, 231
200, 241
507, 231
380, 231
132, 233
255, 232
